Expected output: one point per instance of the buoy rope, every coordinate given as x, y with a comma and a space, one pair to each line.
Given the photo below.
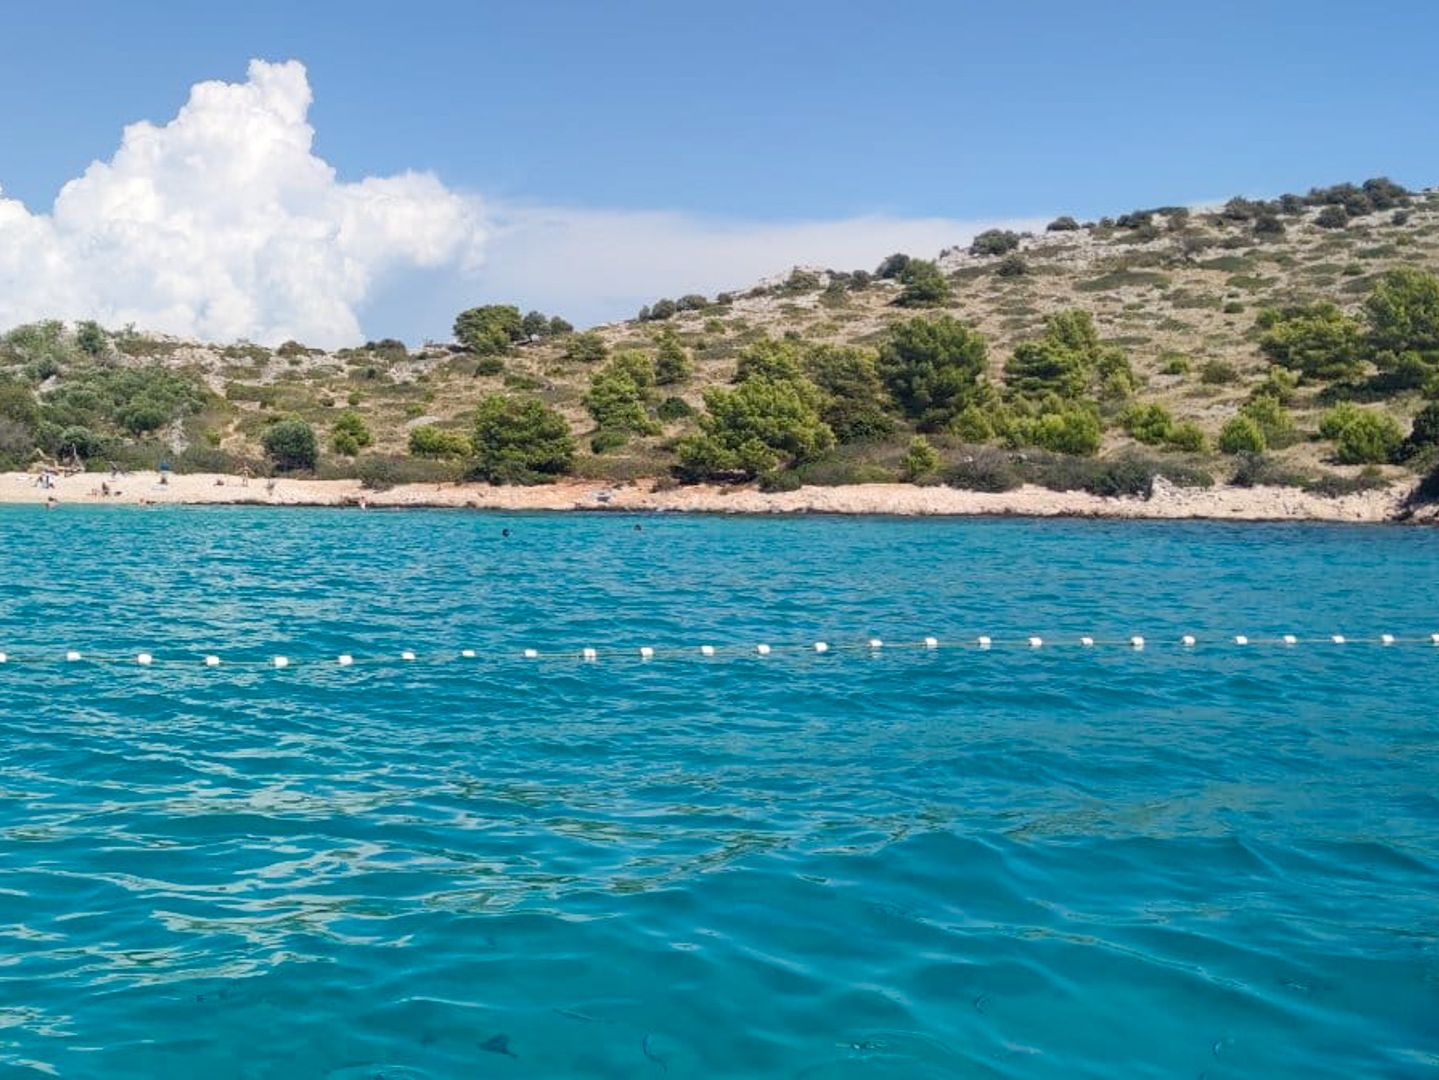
589, 654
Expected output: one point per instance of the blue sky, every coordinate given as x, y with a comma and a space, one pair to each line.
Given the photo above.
733, 118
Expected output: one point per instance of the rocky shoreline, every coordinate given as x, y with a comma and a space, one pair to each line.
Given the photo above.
1168, 502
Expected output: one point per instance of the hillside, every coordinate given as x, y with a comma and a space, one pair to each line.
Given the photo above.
1175, 297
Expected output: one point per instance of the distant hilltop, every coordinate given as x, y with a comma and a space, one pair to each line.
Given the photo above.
1292, 340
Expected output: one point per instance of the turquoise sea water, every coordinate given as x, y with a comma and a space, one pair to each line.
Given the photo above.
1218, 862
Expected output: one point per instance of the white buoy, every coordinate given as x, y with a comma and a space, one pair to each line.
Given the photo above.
282, 661
1136, 642
1036, 642
72, 656
982, 641
931, 643
707, 650
344, 660
763, 650
1240, 639
589, 654
468, 654
1087, 641
1187, 641
532, 654
1433, 639
821, 646
3, 658
212, 661
875, 643
646, 653
407, 655
1386, 639
144, 659
1290, 639
1338, 639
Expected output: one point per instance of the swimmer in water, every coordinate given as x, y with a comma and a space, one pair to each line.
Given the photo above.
505, 532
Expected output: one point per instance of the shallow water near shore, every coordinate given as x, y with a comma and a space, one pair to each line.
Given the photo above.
1215, 862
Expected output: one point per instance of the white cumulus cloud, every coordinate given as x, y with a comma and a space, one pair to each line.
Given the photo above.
223, 224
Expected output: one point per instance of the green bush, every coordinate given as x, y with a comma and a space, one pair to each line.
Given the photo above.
1063, 223
672, 361
616, 402
1403, 315
379, 473
520, 441
1012, 265
1271, 416
892, 266
606, 439
854, 397
1149, 424
489, 365
994, 242
1317, 340
1424, 432
1218, 373
770, 358
920, 460
761, 425
1067, 361
490, 329
349, 434
972, 424
1241, 436
673, 408
1188, 437
586, 348
1073, 429
983, 470
924, 285
429, 441
290, 445
1332, 217
91, 338
933, 367
1361, 436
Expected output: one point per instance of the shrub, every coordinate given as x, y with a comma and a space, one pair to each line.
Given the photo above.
663, 309
1403, 316
854, 397
1066, 361
349, 434
924, 285
520, 441
920, 460
1271, 416
489, 365
1063, 223
560, 327
1149, 424
760, 425
691, 302
673, 408
672, 361
972, 424
1188, 437
983, 470
490, 329
90, 338
1218, 373
994, 242
1012, 265
1361, 436
1268, 225
1071, 430
1174, 364
892, 266
429, 441
772, 358
933, 368
290, 444
1332, 217
378, 473
586, 348
607, 439
617, 402
1234, 307
1318, 340
1425, 431
1241, 436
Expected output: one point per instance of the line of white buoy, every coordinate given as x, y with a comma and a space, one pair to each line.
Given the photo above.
874, 646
